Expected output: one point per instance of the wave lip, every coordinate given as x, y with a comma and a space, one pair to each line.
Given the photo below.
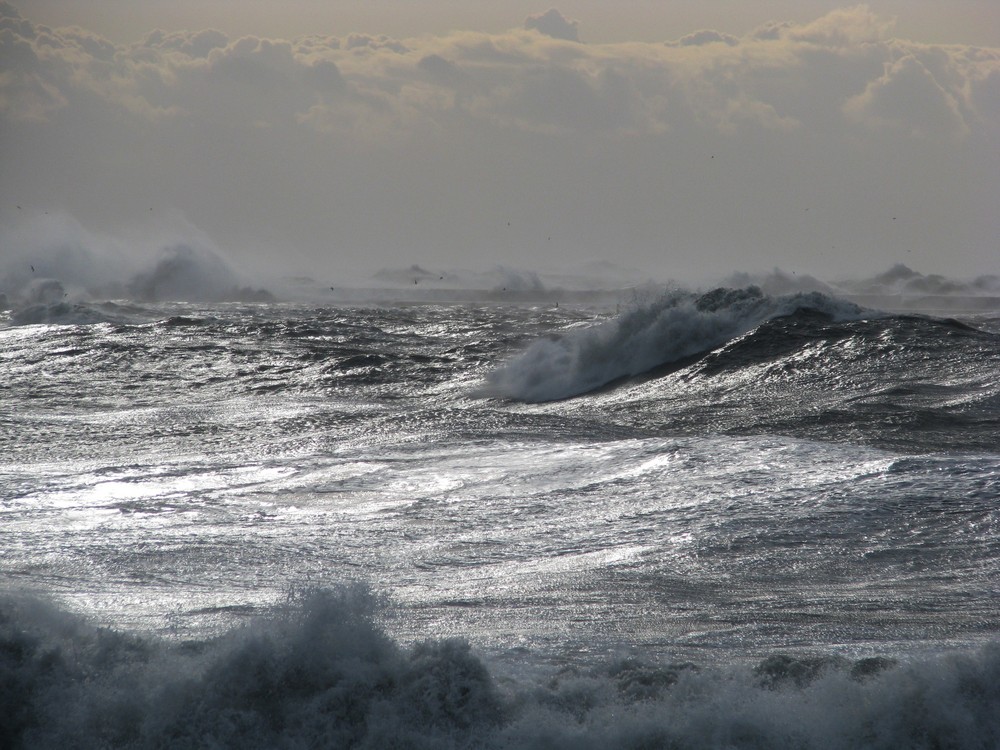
671, 328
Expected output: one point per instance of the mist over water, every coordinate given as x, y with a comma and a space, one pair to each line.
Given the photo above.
491, 508
500, 386
529, 143
52, 259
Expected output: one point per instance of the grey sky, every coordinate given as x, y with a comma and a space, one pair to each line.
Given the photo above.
825, 140
123, 21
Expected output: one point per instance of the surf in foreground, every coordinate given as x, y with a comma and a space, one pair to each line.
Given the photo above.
321, 672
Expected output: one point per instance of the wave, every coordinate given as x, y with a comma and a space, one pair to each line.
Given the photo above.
590, 276
672, 328
187, 273
53, 259
322, 672
900, 382
78, 313
897, 286
900, 279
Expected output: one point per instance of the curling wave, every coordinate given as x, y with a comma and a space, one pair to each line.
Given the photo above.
676, 326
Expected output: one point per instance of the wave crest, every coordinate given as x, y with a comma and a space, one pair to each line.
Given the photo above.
321, 672
673, 327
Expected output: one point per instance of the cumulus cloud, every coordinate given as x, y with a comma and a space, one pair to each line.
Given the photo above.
909, 99
705, 36
385, 145
843, 27
191, 43
510, 79
554, 24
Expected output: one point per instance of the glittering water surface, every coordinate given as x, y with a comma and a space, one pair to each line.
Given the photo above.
810, 482
812, 478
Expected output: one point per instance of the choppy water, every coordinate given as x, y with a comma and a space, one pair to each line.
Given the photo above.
723, 520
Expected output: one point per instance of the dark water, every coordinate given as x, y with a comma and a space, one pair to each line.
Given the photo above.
722, 520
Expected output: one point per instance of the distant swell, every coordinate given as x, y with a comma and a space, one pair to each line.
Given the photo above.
322, 673
669, 329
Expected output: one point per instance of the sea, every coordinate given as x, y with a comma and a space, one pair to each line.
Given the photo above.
673, 518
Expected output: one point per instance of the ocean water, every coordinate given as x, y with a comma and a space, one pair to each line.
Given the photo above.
694, 520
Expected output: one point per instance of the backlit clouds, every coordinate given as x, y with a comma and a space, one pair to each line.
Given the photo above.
688, 155
553, 24
540, 79
537, 79
847, 27
906, 88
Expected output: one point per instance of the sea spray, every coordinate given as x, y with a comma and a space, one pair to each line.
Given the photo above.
321, 672
49, 260
671, 328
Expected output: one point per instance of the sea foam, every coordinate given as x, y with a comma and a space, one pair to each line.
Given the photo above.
672, 327
322, 672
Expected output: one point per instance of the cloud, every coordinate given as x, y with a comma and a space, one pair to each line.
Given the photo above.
844, 27
554, 24
374, 43
24, 96
191, 43
512, 80
675, 152
705, 36
439, 69
908, 99
556, 100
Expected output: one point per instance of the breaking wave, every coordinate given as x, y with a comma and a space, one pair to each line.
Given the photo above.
322, 672
53, 259
670, 329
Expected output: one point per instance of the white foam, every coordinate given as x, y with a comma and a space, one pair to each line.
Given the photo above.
674, 326
321, 672
52, 259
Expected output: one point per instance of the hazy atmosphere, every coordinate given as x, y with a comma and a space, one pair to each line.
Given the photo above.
465, 375
680, 140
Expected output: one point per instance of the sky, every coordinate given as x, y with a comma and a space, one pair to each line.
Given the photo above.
683, 139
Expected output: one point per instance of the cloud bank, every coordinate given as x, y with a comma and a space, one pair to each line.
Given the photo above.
828, 146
